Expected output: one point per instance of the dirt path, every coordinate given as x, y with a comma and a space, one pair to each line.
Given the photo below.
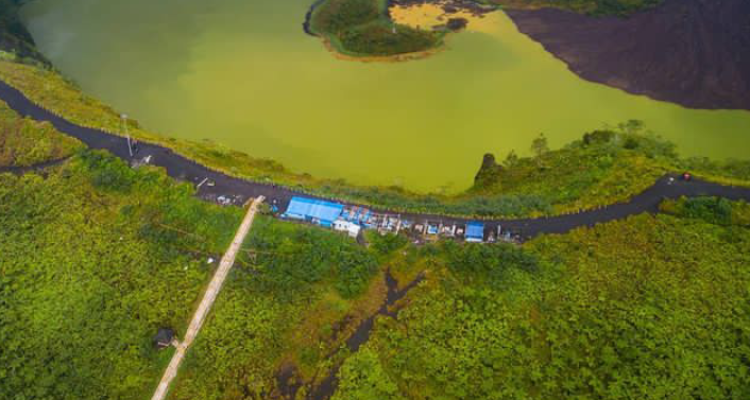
182, 168
208, 300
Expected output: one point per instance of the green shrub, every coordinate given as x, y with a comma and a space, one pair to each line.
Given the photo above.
714, 210
363, 28
292, 258
335, 16
378, 39
388, 243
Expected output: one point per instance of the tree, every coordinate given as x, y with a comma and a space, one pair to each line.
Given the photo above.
631, 127
539, 145
511, 159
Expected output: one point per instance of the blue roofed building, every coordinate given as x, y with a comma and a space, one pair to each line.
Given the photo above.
475, 232
319, 212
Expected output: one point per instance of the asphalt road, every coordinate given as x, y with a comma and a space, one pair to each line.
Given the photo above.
184, 169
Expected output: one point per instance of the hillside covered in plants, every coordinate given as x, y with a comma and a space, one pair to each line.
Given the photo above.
108, 257
652, 307
98, 256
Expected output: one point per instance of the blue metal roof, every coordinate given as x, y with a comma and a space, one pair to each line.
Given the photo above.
305, 208
475, 230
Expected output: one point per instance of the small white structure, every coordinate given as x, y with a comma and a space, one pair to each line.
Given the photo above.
345, 226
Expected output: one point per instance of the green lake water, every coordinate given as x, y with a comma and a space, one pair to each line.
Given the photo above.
242, 73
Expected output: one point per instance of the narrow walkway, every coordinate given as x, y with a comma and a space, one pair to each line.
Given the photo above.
208, 300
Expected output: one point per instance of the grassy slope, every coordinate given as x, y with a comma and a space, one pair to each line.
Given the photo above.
95, 258
362, 28
652, 307
24, 142
597, 176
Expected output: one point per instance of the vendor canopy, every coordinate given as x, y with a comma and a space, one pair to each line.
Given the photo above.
321, 211
474, 231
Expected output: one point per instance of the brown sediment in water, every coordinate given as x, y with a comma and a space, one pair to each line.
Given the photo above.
695, 53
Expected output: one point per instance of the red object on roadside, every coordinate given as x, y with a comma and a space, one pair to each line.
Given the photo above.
686, 176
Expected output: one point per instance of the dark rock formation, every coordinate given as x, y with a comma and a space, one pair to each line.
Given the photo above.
692, 52
457, 24
488, 172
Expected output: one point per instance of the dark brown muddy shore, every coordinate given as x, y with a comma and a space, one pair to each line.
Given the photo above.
695, 53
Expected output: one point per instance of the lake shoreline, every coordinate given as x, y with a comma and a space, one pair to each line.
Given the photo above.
192, 172
683, 52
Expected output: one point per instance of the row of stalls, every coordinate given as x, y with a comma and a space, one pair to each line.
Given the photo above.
353, 219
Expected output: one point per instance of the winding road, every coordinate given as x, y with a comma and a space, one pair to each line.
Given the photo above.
185, 169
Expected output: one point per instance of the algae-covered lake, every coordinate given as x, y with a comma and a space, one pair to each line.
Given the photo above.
243, 74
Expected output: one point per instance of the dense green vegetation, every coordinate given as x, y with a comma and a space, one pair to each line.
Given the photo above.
283, 305
652, 307
715, 210
362, 377
362, 28
604, 167
591, 7
95, 258
24, 142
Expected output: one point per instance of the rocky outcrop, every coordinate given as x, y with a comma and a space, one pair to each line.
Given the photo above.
488, 173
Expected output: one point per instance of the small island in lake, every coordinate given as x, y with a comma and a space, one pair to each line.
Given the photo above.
368, 29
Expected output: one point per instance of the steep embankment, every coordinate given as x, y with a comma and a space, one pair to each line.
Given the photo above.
692, 52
